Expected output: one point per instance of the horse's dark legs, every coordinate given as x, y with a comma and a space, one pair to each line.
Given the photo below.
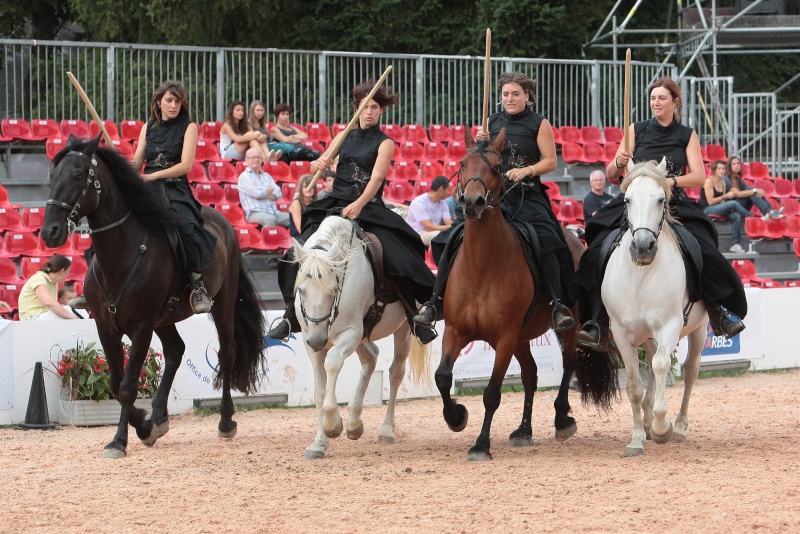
491, 401
173, 354
564, 423
455, 415
223, 313
521, 437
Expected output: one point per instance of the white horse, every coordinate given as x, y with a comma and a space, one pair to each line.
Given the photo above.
335, 289
645, 293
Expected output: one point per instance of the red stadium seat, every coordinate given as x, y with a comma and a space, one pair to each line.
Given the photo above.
318, 131
276, 238
32, 218
75, 127
53, 146
313, 144
429, 260
10, 219
557, 135
110, 127
206, 151
796, 187
283, 204
209, 194
399, 192
439, 133
410, 151
279, 171
704, 154
47, 128
431, 169
776, 228
612, 134
18, 129
571, 211
609, 152
29, 266
198, 173
129, 130
80, 242
299, 168
231, 193
451, 167
8, 272
18, 244
767, 185
769, 283
458, 132
553, 190
716, 152
755, 228
338, 128
241, 166
746, 269
288, 190
435, 151
693, 193
796, 246
593, 152
404, 170
4, 200
124, 148
792, 227
592, 134
249, 239
571, 134
759, 170
572, 153
783, 188
10, 294
78, 270
222, 171
65, 249
394, 131
209, 131
234, 214
456, 150
416, 133
421, 186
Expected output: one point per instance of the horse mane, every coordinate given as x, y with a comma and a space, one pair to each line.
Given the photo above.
650, 169
140, 196
327, 252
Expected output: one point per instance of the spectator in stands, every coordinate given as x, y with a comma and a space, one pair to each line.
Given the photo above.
236, 136
65, 295
528, 153
597, 197
299, 203
38, 300
746, 195
718, 199
283, 132
452, 203
258, 122
663, 137
428, 214
258, 193
327, 182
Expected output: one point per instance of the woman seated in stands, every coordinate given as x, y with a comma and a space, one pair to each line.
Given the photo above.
257, 119
38, 300
301, 199
236, 136
283, 132
746, 195
718, 199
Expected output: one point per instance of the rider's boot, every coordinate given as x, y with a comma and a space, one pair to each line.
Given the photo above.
560, 316
594, 332
723, 322
286, 324
430, 312
201, 302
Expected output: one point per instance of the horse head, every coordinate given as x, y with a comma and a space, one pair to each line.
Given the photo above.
647, 197
481, 182
72, 177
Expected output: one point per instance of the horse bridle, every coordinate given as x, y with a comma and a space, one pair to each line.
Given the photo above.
660, 224
491, 199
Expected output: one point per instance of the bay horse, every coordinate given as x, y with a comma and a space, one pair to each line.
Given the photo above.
489, 292
135, 287
335, 292
645, 293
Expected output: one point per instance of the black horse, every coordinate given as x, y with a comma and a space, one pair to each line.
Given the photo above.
135, 285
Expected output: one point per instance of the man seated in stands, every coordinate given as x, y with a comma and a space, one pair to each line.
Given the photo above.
429, 214
258, 193
597, 197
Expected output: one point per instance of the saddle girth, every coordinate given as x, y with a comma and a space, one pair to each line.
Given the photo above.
384, 290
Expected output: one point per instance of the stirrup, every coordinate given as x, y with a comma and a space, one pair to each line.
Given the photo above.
424, 334
201, 302
426, 316
281, 331
591, 337
565, 322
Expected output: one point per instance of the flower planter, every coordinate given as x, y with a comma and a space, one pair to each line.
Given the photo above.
95, 413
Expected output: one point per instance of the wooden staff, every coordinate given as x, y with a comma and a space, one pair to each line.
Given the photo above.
705, 111
92, 111
337, 144
487, 68
627, 103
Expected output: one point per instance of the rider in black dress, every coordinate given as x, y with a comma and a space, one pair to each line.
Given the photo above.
664, 136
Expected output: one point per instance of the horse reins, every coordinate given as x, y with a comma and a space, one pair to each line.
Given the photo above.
491, 201
656, 233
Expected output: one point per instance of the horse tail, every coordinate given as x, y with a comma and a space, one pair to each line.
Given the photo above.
249, 330
597, 377
418, 363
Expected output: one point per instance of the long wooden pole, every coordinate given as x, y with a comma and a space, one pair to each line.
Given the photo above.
337, 144
92, 111
705, 111
487, 71
627, 103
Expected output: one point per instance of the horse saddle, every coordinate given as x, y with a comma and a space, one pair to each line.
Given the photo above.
533, 255
384, 290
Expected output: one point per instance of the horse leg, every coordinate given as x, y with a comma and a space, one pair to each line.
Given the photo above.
455, 414
691, 366
521, 437
224, 313
662, 428
491, 401
635, 393
368, 354
650, 348
397, 371
565, 424
317, 449
344, 345
173, 354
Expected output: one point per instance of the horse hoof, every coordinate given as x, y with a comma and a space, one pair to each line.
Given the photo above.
336, 432
665, 437
230, 434
460, 420
519, 441
386, 440
162, 429
150, 440
563, 434
479, 456
313, 454
633, 452
355, 434
114, 453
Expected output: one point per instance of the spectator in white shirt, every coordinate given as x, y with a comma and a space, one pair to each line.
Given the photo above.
429, 214
258, 193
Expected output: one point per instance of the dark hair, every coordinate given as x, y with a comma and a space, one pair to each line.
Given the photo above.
674, 89
528, 85
717, 163
439, 182
280, 108
56, 263
383, 96
736, 177
239, 127
176, 88
257, 124
327, 173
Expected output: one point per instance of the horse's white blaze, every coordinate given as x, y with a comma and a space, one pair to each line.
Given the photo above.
645, 303
333, 255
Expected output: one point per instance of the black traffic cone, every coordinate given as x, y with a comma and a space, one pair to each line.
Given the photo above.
37, 417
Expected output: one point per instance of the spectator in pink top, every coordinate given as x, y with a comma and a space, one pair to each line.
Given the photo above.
429, 214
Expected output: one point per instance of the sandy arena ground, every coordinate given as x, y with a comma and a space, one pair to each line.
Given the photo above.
738, 471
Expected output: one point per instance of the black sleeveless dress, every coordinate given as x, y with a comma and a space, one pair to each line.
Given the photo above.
163, 150
403, 250
720, 283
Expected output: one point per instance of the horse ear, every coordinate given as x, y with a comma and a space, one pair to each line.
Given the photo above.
469, 141
92, 145
71, 141
499, 141
299, 251
662, 166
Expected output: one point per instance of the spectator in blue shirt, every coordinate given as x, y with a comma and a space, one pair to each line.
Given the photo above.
258, 193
